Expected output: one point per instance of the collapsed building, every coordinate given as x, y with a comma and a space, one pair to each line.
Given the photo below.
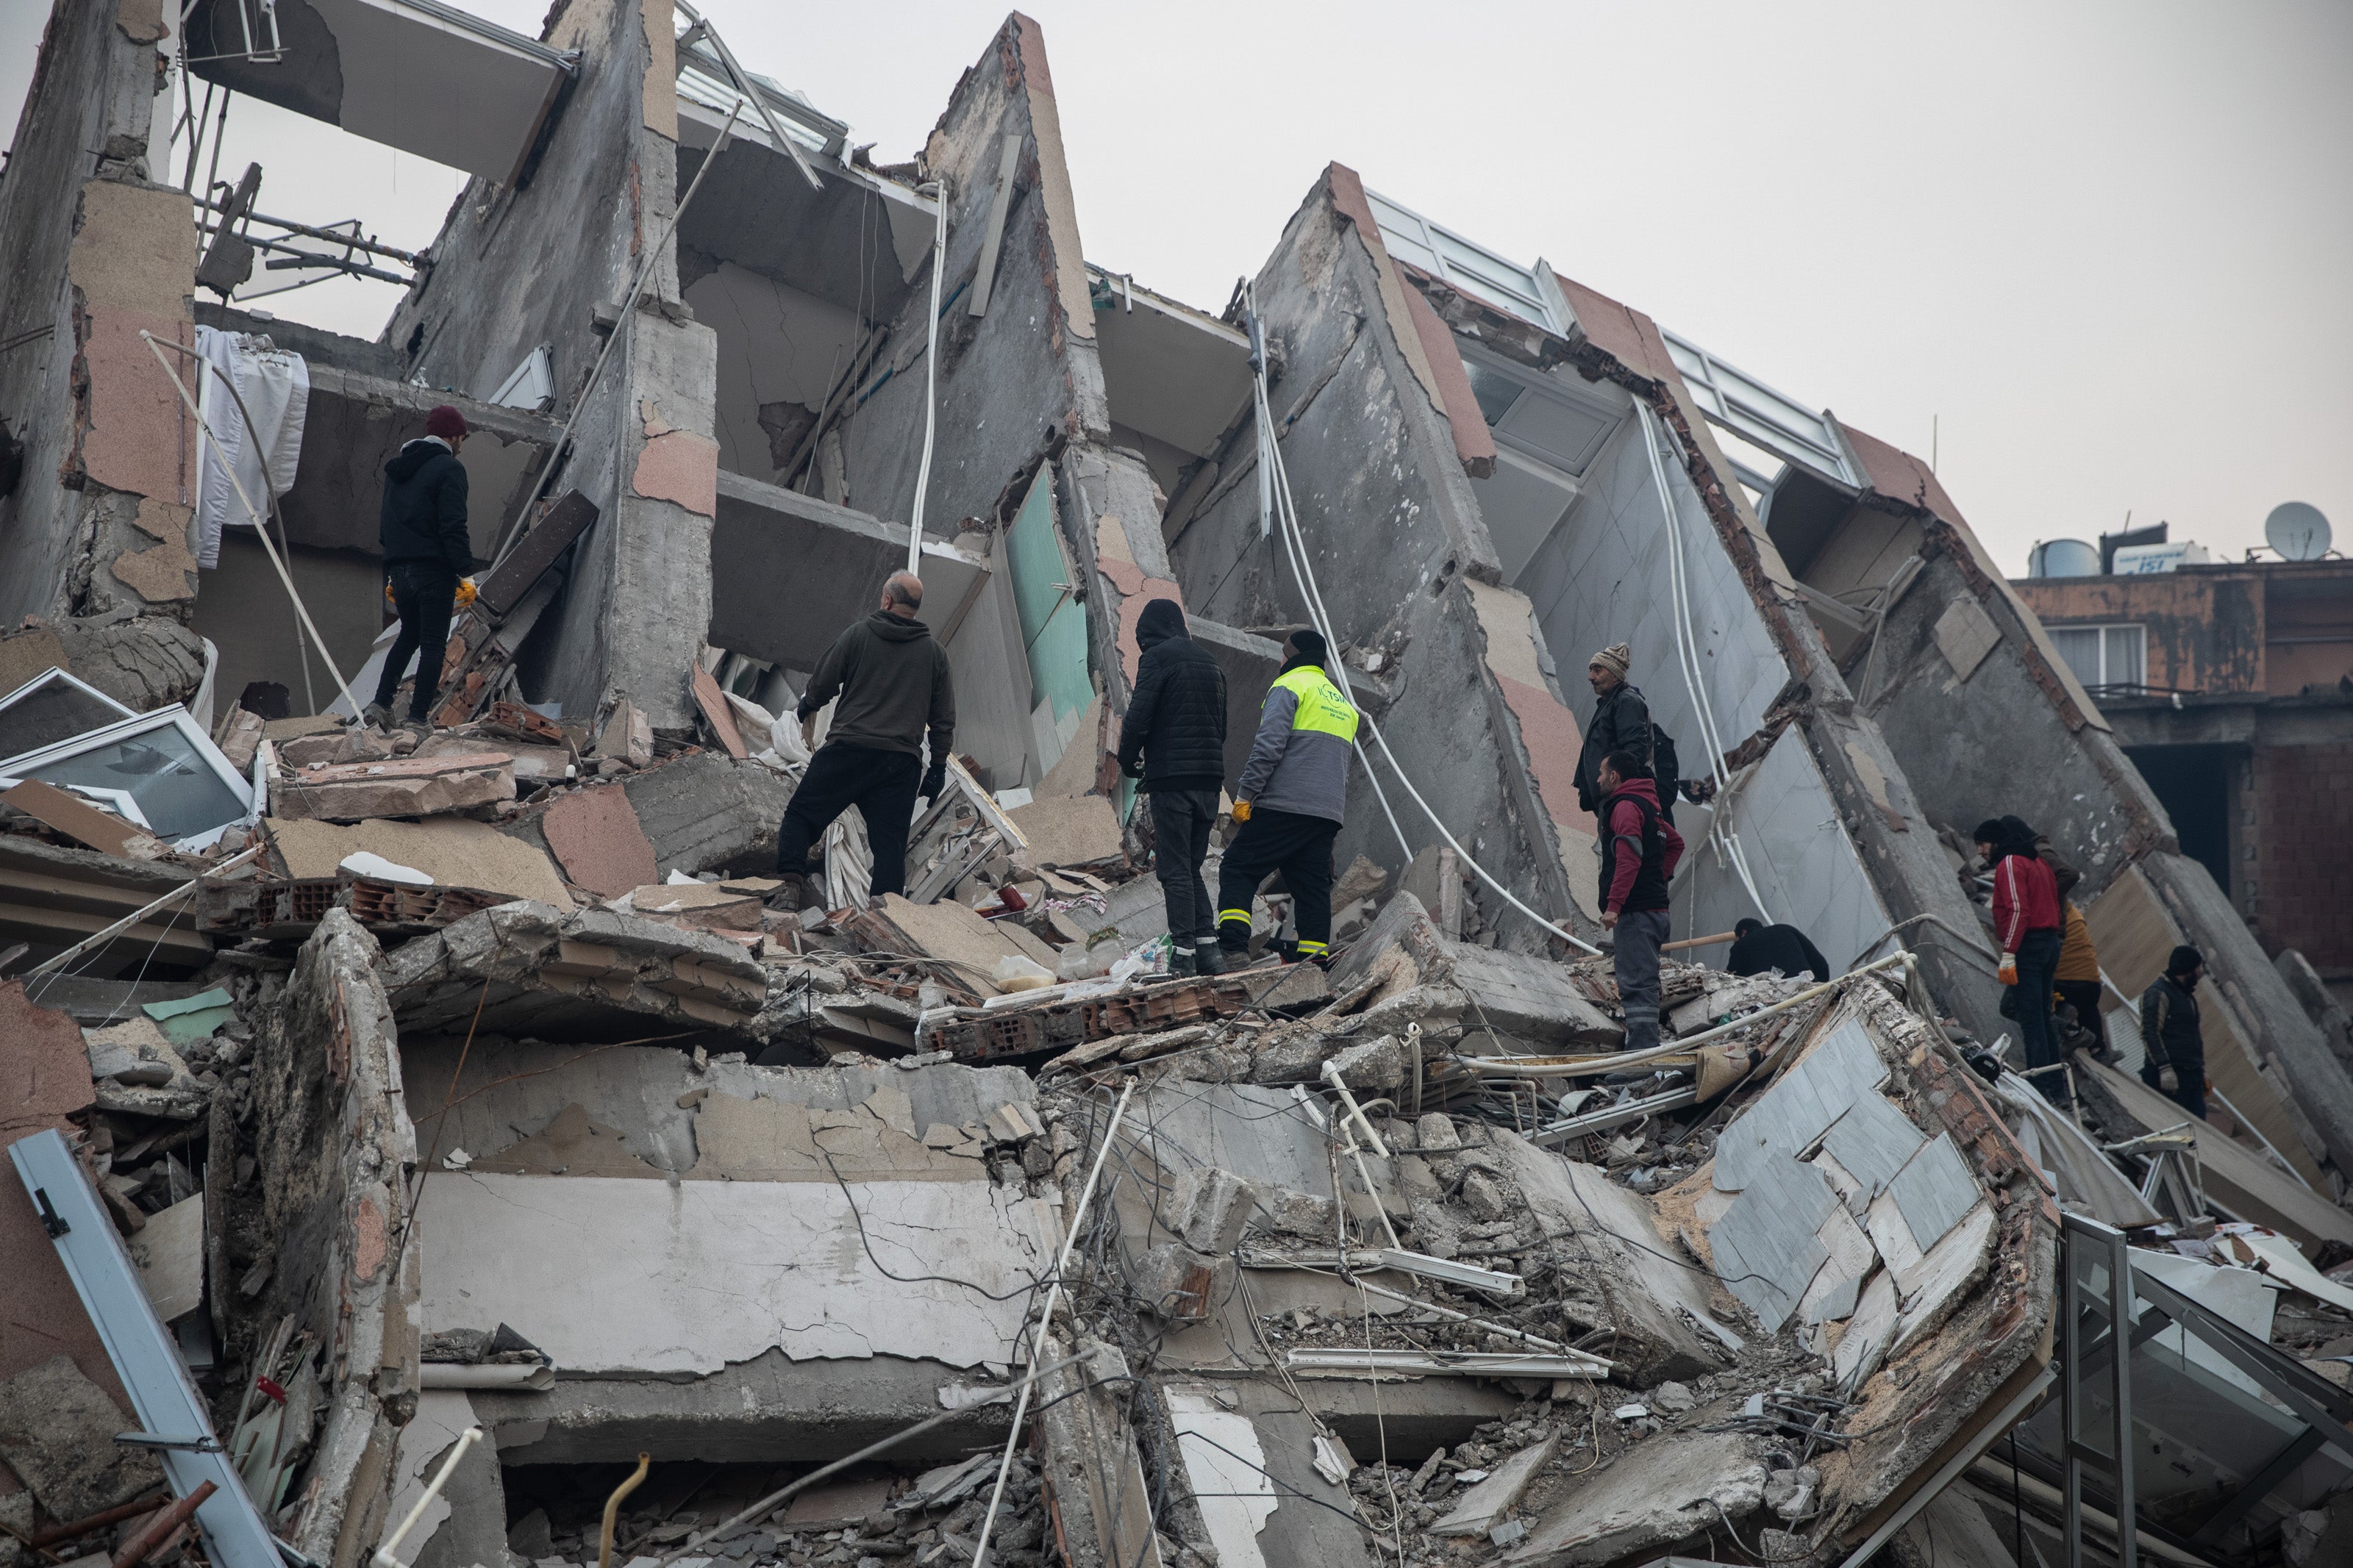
420, 1137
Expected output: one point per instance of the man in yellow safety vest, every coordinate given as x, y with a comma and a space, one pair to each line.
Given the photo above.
1290, 801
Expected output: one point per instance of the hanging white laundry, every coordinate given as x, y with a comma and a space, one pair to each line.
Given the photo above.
274, 387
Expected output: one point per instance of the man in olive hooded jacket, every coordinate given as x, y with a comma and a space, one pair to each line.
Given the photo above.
891, 678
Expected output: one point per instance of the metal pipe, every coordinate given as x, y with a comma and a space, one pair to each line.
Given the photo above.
373, 246
613, 1508
160, 1528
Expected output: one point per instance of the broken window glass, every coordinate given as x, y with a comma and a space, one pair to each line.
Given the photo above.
51, 707
183, 785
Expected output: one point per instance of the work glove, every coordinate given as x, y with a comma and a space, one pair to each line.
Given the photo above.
387, 595
1241, 811
2008, 972
1133, 770
466, 592
935, 781
2168, 1079
808, 733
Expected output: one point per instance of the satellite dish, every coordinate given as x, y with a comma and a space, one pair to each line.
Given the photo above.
2297, 530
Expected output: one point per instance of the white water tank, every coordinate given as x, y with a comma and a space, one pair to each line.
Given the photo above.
2064, 558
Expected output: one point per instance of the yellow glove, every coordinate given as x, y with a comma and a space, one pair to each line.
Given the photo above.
465, 591
2008, 972
387, 595
1241, 811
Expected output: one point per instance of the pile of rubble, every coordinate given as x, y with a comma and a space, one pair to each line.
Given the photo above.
1406, 1257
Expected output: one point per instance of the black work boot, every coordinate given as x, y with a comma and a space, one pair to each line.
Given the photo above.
791, 894
1181, 962
1208, 958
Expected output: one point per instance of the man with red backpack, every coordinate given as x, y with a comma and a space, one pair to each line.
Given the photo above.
1639, 849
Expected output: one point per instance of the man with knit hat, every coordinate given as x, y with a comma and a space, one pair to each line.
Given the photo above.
1291, 800
2173, 1051
1621, 722
427, 557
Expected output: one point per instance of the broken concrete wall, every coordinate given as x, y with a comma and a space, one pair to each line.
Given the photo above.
97, 461
1394, 528
1988, 720
546, 262
85, 269
332, 1142
1826, 794
1009, 385
735, 1167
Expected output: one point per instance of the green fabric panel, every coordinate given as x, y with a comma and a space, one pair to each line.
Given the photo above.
1053, 622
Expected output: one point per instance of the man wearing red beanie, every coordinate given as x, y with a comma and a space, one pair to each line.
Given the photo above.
426, 559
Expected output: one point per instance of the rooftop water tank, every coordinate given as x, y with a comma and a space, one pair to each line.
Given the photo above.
2064, 558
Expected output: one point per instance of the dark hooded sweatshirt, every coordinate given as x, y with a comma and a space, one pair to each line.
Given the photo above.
1174, 736
424, 514
893, 679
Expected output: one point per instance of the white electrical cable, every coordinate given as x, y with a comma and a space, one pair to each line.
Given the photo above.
1687, 655
1287, 513
931, 375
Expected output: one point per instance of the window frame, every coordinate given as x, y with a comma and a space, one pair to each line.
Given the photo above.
2104, 629
16, 769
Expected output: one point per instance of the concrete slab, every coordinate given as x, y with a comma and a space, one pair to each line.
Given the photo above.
527, 969
649, 1093
1649, 1497
717, 1272
595, 835
768, 1410
454, 851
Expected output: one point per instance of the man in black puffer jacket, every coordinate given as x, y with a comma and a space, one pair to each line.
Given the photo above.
1173, 739
427, 557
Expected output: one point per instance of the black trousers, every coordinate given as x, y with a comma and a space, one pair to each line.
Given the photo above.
1181, 821
2038, 963
2083, 995
424, 593
1298, 845
2189, 1075
880, 783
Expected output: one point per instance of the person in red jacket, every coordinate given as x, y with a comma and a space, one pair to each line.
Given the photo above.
2026, 924
1640, 849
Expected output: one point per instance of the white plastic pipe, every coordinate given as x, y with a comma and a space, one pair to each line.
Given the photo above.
384, 1557
931, 375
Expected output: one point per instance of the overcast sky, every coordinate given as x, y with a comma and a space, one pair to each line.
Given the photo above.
2099, 254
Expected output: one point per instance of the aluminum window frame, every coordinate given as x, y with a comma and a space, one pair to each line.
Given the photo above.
2105, 629
175, 717
1465, 263
56, 673
1761, 413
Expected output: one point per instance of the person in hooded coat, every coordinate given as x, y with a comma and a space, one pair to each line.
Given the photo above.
891, 678
1173, 740
427, 557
